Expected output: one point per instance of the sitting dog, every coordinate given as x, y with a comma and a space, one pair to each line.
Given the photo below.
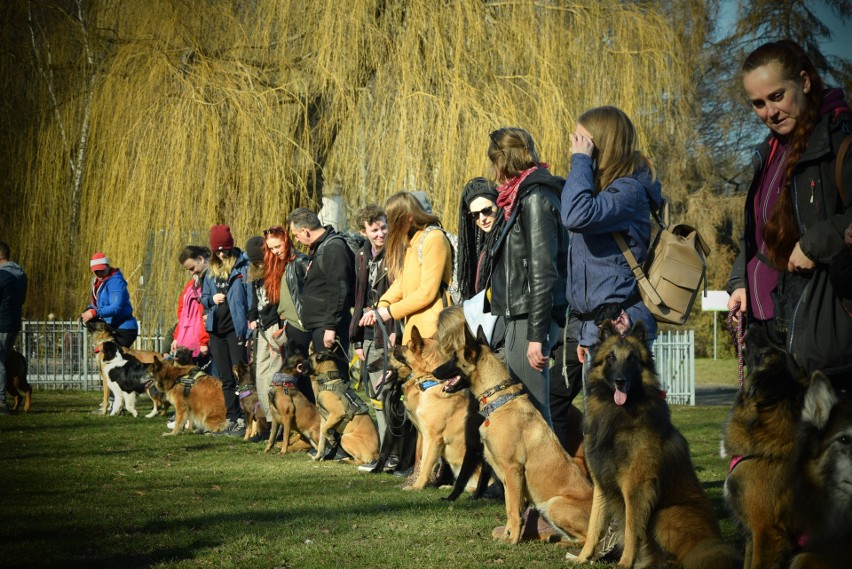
519, 445
822, 478
343, 412
289, 407
440, 416
195, 395
645, 486
760, 436
17, 385
400, 438
247, 390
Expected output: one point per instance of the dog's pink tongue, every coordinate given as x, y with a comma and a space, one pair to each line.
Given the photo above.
620, 397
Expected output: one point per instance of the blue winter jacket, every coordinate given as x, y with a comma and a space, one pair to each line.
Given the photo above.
114, 303
598, 273
239, 293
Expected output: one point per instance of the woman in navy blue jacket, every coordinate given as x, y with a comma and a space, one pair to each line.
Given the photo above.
611, 188
225, 295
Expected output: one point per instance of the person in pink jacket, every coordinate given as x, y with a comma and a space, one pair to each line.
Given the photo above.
190, 332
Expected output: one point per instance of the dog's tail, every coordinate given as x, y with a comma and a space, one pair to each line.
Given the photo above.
712, 554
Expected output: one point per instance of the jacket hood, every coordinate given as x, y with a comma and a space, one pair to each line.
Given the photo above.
13, 268
647, 182
543, 178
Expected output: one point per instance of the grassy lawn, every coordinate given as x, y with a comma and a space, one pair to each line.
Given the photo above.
79, 488
710, 372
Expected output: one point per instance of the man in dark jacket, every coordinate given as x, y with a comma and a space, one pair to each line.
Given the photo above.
13, 292
328, 295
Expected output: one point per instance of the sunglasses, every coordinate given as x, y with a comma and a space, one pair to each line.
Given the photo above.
487, 212
275, 229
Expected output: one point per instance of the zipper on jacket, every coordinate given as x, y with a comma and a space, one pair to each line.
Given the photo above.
526, 286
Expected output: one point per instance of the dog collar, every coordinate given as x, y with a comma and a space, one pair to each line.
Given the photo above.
487, 410
329, 376
505, 384
281, 379
432, 382
244, 394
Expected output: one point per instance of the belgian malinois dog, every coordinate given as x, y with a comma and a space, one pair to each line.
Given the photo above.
342, 411
520, 446
760, 438
645, 484
289, 407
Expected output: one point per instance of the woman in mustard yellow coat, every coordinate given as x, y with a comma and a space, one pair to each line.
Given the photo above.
420, 265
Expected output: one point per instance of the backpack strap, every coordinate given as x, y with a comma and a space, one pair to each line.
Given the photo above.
444, 289
838, 166
641, 278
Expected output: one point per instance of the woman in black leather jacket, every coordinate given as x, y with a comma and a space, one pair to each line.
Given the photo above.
530, 256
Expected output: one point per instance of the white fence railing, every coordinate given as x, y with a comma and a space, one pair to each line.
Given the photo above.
674, 354
59, 355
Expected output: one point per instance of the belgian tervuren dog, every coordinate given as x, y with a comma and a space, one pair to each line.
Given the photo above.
760, 439
17, 386
519, 444
195, 395
289, 407
822, 475
644, 481
343, 412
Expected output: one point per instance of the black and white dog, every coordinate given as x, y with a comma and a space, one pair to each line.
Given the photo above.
127, 378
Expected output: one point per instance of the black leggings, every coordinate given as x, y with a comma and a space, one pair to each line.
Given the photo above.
125, 337
226, 353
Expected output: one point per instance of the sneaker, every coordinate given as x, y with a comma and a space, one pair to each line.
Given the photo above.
240, 427
228, 431
368, 466
259, 438
392, 463
404, 473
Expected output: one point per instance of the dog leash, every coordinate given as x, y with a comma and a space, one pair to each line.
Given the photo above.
735, 327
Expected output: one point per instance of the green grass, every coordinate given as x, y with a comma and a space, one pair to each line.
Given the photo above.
710, 372
79, 488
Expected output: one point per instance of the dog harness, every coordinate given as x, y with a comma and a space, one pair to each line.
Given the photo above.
331, 381
245, 390
189, 380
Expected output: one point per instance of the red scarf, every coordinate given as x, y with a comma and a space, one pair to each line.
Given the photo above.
508, 192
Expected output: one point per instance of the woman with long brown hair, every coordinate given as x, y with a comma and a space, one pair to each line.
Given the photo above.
420, 264
797, 209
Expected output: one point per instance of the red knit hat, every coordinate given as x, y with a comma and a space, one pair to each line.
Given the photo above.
98, 261
220, 238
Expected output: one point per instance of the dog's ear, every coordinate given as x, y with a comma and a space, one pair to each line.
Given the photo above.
415, 344
819, 401
607, 330
157, 364
639, 332
480, 336
471, 345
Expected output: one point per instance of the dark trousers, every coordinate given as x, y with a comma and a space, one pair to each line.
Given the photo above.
226, 353
125, 337
565, 384
301, 343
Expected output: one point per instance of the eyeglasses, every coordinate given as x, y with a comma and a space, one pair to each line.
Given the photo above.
274, 229
486, 211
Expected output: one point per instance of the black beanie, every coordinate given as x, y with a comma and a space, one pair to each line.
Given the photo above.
255, 248
479, 187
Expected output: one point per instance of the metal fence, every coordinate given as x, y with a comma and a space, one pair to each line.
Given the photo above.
59, 355
674, 353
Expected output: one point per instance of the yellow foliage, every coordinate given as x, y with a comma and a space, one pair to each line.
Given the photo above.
180, 114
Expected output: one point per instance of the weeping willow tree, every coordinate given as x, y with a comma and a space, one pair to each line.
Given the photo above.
132, 127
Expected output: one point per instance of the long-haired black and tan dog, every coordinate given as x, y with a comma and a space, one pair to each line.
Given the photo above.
196, 396
289, 407
519, 444
17, 385
760, 438
645, 484
822, 479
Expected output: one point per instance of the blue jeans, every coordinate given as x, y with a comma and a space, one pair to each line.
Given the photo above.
7, 340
